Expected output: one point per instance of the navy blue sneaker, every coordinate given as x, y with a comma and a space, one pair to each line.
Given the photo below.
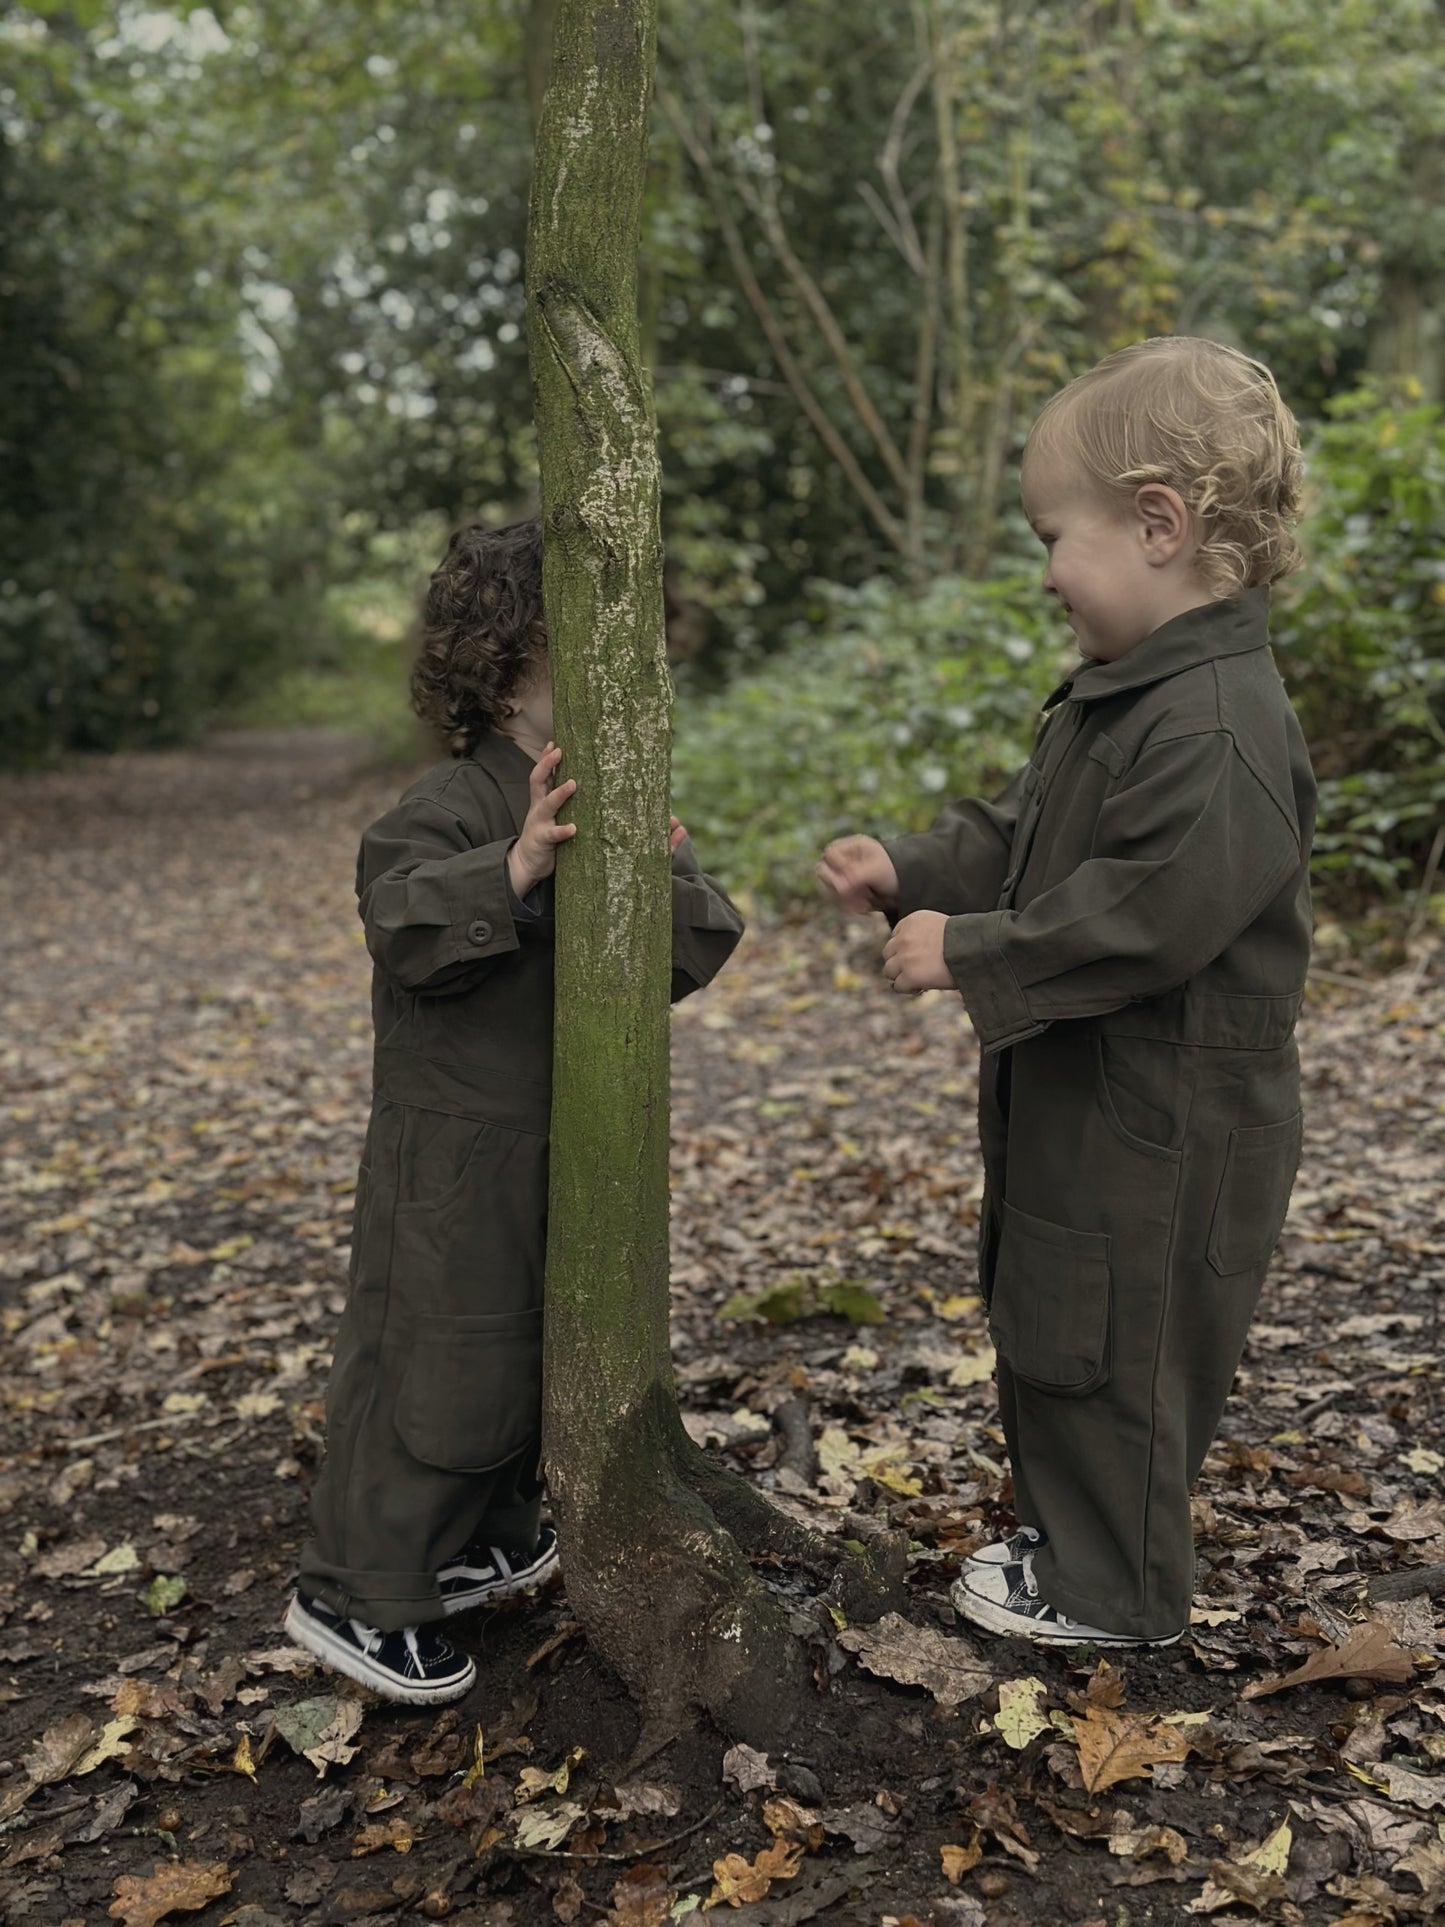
414, 1665
480, 1574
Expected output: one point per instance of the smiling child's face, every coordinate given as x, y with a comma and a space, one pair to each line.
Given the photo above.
1097, 563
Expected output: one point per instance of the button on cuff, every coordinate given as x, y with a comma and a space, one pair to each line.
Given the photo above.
479, 933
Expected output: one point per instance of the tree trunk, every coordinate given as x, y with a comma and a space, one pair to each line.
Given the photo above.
661, 1587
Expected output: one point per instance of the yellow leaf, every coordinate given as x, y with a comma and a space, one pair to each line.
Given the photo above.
1272, 1855
1020, 1718
478, 1766
241, 1761
111, 1742
962, 1305
974, 1368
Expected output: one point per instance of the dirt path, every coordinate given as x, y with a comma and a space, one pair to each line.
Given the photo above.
184, 1065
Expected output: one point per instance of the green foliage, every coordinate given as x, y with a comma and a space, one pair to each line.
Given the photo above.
868, 721
800, 1297
1362, 634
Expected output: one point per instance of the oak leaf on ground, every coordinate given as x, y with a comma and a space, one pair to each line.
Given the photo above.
182, 1887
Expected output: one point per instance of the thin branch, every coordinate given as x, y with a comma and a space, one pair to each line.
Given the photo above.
887, 523
888, 164
818, 305
763, 202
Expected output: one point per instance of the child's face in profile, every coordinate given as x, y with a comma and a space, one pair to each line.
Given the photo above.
1097, 559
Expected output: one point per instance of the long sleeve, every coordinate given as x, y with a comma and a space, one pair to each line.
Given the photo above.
959, 863
435, 907
706, 924
1187, 852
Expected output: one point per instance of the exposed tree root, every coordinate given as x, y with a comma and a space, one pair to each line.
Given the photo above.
866, 1583
670, 1603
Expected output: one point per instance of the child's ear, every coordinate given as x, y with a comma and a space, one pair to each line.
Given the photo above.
1163, 520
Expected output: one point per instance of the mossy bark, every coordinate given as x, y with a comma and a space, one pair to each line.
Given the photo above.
662, 1588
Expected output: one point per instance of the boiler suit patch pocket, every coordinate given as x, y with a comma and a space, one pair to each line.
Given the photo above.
1253, 1200
471, 1220
1049, 1315
470, 1394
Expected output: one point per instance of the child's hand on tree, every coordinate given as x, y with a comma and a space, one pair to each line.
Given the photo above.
858, 874
676, 834
913, 955
534, 854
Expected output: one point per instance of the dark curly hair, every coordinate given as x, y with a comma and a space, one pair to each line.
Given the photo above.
481, 632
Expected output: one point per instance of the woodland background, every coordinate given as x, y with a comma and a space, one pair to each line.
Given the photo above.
261, 320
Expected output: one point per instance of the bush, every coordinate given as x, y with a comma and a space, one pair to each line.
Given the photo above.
1361, 633
869, 721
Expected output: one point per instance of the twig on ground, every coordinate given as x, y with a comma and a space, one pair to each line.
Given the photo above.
1407, 1584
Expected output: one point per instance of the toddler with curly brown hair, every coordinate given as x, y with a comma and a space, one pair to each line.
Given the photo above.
429, 1500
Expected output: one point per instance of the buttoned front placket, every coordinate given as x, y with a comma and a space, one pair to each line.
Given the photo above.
1062, 722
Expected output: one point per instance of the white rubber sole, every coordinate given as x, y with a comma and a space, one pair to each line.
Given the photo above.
995, 1618
342, 1658
528, 1579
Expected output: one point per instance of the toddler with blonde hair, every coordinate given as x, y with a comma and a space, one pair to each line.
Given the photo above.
1128, 924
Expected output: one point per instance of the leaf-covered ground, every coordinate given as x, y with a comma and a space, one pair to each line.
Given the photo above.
184, 1065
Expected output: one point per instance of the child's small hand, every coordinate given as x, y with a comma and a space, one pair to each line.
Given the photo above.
534, 854
913, 955
676, 834
858, 874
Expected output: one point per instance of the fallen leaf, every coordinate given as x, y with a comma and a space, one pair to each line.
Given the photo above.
747, 1769
951, 1669
957, 1861
534, 1782
737, 1880
1020, 1717
1138, 1843
395, 1833
182, 1887
1368, 1651
1425, 1862
546, 1825
111, 1742
320, 1729
641, 1897
1116, 1746
1402, 1784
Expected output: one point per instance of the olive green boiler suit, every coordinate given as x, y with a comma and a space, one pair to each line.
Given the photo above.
1129, 926
434, 1399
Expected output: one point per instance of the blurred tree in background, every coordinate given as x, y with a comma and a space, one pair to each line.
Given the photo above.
261, 311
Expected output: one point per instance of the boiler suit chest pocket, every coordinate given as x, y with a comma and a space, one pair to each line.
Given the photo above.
1049, 1315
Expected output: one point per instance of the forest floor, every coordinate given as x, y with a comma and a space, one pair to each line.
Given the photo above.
185, 1064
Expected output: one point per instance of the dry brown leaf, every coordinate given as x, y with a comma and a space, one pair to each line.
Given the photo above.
1368, 1651
947, 1665
183, 1887
1117, 1746
1137, 1843
54, 1754
786, 1819
738, 1880
642, 1897
957, 1861
395, 1833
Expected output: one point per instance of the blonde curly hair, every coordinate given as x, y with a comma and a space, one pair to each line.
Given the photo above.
482, 634
1207, 422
